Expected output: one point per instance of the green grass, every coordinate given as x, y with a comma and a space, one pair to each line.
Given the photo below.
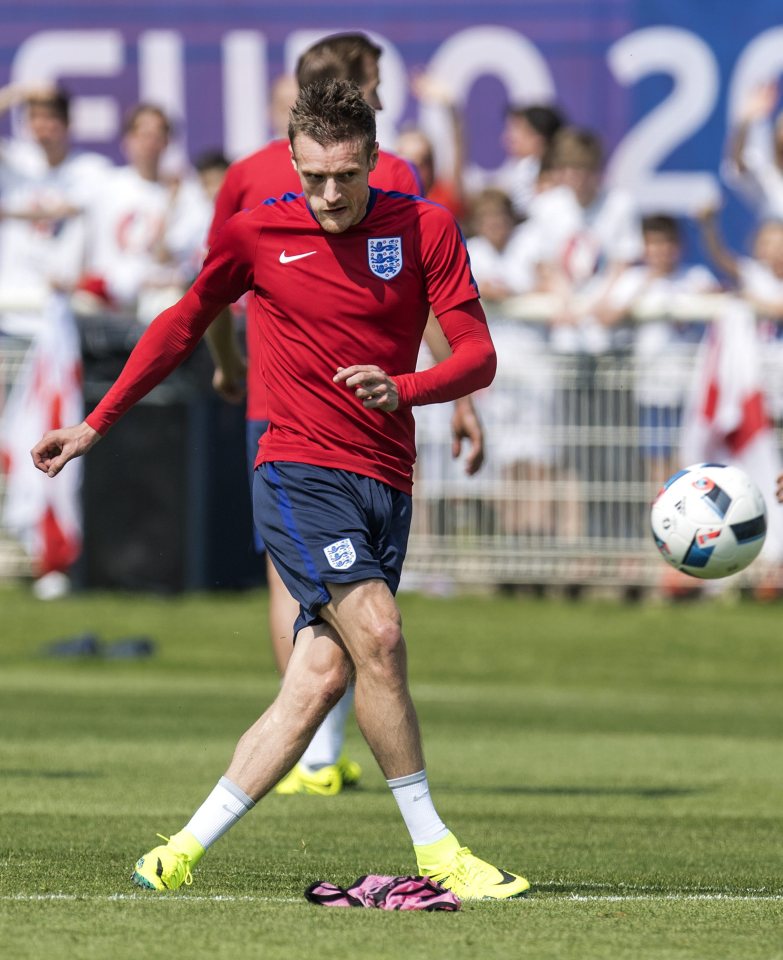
627, 760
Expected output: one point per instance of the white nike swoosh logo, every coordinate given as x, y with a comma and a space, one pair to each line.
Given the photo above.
296, 256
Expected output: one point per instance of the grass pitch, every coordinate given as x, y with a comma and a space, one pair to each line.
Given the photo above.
627, 760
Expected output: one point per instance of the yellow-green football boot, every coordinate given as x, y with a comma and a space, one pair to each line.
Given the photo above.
456, 869
326, 782
168, 866
350, 770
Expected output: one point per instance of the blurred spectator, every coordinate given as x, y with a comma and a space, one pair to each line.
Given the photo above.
663, 349
760, 281
44, 187
184, 240
414, 145
755, 161
586, 236
211, 167
527, 136
518, 408
144, 230
760, 277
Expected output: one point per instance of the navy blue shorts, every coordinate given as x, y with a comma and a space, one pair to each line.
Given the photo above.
254, 430
322, 526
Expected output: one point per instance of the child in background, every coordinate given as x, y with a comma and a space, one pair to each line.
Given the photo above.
663, 348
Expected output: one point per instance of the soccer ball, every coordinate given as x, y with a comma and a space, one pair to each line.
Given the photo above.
709, 520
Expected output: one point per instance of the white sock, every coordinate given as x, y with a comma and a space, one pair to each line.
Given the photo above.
327, 744
412, 794
219, 812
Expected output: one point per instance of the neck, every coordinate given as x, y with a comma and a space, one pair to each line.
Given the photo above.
56, 154
148, 171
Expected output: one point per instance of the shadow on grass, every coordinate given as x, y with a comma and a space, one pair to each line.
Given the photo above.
564, 791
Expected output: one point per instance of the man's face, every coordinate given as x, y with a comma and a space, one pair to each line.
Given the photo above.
334, 180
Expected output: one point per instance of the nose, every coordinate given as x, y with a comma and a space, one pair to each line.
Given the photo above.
331, 191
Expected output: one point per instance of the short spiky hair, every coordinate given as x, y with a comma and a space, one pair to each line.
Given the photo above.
332, 111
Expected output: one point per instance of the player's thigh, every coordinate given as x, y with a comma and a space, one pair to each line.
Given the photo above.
366, 617
319, 656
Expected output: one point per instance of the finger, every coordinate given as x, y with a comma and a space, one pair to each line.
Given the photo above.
343, 373
475, 459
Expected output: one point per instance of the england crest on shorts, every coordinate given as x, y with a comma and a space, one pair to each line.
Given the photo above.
384, 254
340, 554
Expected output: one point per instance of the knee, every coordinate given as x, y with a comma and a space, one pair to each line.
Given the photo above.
333, 683
385, 646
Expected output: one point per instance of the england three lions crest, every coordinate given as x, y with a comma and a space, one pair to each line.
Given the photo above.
340, 554
384, 254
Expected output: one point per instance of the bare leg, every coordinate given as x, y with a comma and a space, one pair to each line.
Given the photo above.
283, 611
368, 621
315, 679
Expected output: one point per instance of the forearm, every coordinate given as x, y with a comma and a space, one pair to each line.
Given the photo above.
739, 139
470, 367
166, 343
718, 253
222, 341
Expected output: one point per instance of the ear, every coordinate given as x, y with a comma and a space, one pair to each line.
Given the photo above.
293, 158
374, 157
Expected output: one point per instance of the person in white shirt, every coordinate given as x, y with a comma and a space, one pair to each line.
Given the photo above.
518, 408
760, 281
527, 136
754, 165
44, 188
144, 230
586, 236
663, 348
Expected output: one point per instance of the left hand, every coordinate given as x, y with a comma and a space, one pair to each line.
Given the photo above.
57, 447
779, 491
465, 425
372, 386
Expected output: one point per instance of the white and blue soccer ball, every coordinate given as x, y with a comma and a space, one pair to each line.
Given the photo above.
709, 520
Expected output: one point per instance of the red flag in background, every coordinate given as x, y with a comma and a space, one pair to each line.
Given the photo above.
727, 419
44, 514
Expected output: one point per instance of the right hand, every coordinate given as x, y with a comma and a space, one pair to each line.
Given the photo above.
706, 215
57, 447
231, 383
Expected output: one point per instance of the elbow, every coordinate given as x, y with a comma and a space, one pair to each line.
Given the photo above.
488, 367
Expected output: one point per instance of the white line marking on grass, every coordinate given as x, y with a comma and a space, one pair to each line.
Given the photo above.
626, 898
147, 898
228, 898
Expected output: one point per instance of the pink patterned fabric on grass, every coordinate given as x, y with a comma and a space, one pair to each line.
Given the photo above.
384, 893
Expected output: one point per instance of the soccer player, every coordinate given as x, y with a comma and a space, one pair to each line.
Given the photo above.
269, 172
344, 276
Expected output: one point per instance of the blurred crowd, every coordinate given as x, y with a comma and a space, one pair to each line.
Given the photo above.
565, 263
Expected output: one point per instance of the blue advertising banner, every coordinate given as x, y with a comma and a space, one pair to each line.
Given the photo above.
660, 80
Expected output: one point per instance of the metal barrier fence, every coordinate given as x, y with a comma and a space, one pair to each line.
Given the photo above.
577, 446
